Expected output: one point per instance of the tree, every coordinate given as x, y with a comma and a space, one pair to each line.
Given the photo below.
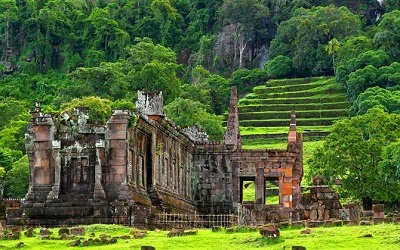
353, 153
164, 13
303, 37
209, 89
279, 67
106, 80
375, 58
388, 36
333, 47
353, 47
360, 80
390, 169
17, 179
245, 79
99, 109
376, 96
187, 113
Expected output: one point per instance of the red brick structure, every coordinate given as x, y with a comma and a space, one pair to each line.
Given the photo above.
140, 164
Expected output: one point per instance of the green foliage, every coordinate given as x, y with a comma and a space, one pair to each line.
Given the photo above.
17, 179
376, 96
210, 89
106, 80
390, 168
12, 135
187, 113
303, 36
99, 109
353, 47
245, 79
388, 36
375, 58
164, 13
123, 104
353, 153
279, 67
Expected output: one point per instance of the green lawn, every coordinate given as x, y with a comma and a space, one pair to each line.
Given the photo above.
384, 236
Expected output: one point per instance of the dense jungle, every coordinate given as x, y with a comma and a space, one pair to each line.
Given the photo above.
99, 53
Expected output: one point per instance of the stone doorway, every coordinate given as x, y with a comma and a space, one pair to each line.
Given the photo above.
272, 195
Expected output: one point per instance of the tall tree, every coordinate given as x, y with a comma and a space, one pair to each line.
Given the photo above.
353, 152
333, 47
164, 13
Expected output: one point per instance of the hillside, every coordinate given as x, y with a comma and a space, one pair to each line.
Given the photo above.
318, 103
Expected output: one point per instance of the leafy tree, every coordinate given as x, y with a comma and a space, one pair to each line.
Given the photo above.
99, 109
210, 89
376, 96
106, 80
17, 179
245, 79
388, 37
12, 135
164, 13
390, 169
156, 76
187, 113
353, 47
353, 153
360, 80
108, 36
303, 36
123, 104
375, 58
279, 67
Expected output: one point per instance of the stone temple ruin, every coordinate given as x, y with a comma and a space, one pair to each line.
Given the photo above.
138, 165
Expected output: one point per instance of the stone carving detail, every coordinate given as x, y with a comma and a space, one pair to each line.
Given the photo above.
150, 103
196, 133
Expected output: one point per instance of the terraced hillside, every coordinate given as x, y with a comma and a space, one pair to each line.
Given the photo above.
317, 101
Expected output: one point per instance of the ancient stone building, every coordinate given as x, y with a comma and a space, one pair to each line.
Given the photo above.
137, 165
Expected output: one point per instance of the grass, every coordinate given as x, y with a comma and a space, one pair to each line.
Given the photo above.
280, 130
384, 236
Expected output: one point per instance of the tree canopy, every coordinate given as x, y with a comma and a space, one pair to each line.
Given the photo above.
353, 154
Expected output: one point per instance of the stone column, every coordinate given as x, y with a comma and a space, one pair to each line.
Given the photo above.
55, 190
98, 193
260, 190
41, 164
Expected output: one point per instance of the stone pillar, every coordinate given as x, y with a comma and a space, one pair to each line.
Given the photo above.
260, 190
98, 193
55, 191
41, 164
379, 213
117, 135
232, 136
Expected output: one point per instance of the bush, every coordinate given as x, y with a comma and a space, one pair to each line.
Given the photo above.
279, 67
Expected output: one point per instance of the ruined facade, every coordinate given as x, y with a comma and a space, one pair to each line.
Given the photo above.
138, 165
